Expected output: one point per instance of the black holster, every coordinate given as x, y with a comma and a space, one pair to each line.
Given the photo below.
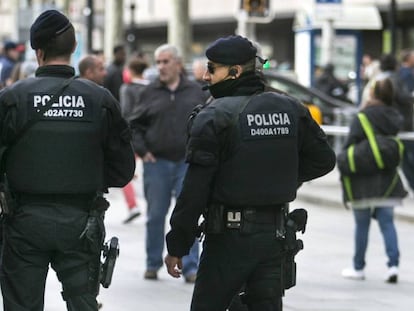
94, 236
7, 200
215, 219
292, 247
110, 253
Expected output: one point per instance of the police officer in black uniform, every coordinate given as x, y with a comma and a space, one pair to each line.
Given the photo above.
57, 162
248, 151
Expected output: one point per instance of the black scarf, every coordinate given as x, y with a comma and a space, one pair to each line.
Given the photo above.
248, 83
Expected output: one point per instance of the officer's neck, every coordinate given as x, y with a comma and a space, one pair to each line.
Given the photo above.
55, 61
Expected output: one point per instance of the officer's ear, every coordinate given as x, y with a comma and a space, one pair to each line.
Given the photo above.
74, 47
40, 54
235, 71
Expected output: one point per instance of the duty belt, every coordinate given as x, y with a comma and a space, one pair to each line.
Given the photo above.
255, 219
64, 198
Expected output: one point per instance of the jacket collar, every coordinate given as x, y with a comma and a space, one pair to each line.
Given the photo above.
63, 71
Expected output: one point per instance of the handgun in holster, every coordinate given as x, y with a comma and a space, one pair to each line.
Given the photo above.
110, 254
292, 246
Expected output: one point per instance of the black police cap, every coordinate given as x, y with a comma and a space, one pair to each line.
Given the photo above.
48, 25
231, 50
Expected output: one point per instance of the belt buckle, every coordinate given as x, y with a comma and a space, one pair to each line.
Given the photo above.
233, 219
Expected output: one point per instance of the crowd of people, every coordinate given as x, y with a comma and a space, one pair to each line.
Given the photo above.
193, 138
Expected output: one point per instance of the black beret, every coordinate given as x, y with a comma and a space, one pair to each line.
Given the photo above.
48, 25
231, 50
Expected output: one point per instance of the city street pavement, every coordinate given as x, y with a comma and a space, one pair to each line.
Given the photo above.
328, 249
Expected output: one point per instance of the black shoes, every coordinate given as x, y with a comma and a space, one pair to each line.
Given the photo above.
133, 213
191, 278
150, 275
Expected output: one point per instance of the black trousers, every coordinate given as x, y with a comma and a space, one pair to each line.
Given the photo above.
232, 260
40, 234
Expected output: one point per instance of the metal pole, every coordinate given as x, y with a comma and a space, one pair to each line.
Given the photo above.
328, 36
114, 28
90, 25
131, 33
244, 27
392, 26
179, 28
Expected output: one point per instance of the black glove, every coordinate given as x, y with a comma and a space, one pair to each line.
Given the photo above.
298, 219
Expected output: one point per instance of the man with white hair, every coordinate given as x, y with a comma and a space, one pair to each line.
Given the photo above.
159, 138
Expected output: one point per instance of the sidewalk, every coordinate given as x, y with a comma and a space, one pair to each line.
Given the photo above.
327, 191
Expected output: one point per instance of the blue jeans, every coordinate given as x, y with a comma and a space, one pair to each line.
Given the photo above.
163, 180
385, 218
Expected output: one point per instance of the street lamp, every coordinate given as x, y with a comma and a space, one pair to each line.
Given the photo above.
88, 12
131, 38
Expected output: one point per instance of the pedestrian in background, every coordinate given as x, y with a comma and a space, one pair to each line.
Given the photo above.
248, 151
23, 70
328, 83
8, 60
58, 164
159, 138
374, 194
91, 67
199, 68
370, 67
130, 94
114, 78
405, 95
406, 71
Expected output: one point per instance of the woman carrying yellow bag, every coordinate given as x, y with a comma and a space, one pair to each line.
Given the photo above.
370, 179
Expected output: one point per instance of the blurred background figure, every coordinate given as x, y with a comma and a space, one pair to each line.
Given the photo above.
370, 67
8, 60
406, 94
100, 54
199, 68
406, 71
329, 84
114, 78
91, 67
25, 68
130, 94
402, 100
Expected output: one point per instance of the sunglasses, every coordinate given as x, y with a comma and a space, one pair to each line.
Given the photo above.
211, 68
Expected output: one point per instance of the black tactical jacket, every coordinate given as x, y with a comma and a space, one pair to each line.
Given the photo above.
81, 144
160, 123
253, 156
